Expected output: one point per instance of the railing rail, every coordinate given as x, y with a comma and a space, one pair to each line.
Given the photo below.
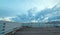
11, 26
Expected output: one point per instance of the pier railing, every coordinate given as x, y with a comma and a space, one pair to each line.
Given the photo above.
7, 27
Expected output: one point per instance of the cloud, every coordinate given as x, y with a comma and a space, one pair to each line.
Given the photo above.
6, 19
9, 8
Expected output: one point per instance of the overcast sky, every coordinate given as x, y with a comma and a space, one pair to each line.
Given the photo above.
16, 7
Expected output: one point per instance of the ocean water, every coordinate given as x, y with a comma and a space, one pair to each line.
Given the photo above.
6, 27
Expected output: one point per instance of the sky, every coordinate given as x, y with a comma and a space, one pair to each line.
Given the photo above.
11, 8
